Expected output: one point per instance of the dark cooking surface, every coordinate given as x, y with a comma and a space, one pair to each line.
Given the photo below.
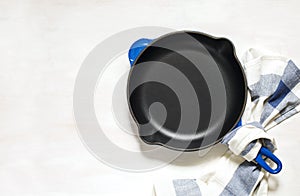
179, 60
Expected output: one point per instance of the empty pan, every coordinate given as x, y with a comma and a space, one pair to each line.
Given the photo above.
186, 90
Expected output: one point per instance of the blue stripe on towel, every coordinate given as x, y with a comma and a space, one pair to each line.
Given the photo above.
291, 75
243, 180
280, 93
186, 187
248, 148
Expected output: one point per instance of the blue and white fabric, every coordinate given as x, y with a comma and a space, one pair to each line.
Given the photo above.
273, 96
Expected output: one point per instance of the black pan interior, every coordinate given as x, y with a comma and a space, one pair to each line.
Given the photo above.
148, 84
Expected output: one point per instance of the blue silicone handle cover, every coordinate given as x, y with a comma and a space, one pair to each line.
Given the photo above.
268, 154
136, 48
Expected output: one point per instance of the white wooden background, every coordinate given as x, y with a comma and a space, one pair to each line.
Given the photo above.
42, 45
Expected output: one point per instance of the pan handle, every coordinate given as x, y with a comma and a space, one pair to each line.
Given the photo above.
136, 48
268, 154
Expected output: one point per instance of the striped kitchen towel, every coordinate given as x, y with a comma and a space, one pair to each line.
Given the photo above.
273, 96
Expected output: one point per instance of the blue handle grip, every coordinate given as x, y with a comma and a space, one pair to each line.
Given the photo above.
260, 161
266, 152
136, 48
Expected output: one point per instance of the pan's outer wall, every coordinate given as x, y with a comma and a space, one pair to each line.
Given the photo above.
223, 52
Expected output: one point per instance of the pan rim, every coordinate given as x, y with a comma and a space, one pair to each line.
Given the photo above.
241, 70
